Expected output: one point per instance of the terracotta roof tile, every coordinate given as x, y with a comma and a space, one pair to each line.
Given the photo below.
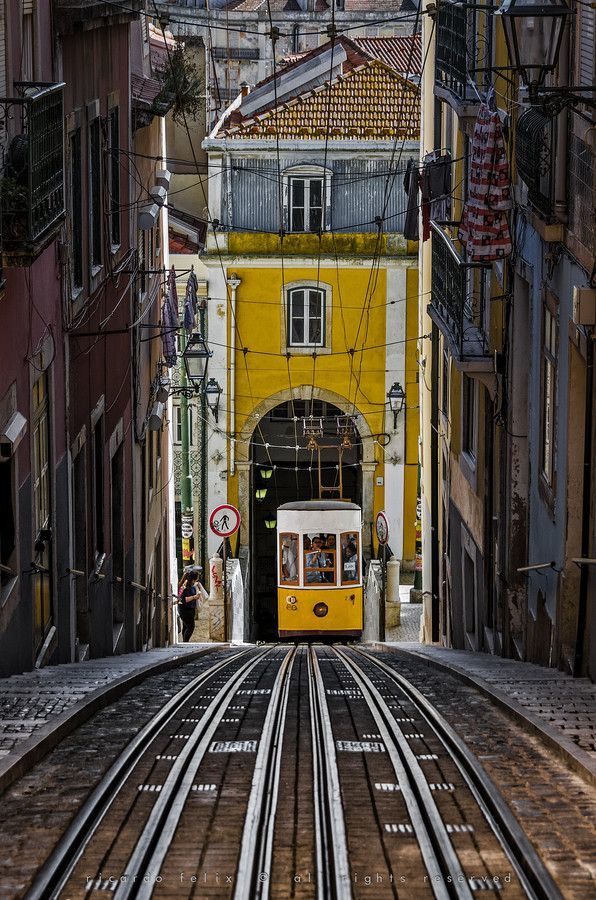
403, 53
370, 102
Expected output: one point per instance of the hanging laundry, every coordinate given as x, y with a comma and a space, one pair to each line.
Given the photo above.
169, 320
411, 185
436, 174
484, 228
190, 303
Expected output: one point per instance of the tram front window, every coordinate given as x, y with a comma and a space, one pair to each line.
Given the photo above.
349, 558
289, 558
319, 558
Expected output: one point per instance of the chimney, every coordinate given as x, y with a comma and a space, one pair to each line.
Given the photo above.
245, 88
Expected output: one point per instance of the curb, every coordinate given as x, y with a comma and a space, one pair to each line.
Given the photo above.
572, 756
50, 735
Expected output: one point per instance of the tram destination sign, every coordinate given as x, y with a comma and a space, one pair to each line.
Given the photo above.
382, 528
224, 520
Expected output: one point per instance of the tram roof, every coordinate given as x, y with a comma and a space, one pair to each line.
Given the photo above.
319, 505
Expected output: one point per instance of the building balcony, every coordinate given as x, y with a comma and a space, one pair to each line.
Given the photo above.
454, 307
534, 157
463, 55
32, 177
235, 52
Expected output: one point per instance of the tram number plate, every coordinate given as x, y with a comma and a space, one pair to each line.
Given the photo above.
361, 746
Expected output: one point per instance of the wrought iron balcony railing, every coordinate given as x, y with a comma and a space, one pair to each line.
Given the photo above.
235, 52
463, 50
452, 303
32, 177
534, 158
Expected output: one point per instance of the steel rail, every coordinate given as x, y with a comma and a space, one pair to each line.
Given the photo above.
256, 850
333, 871
58, 867
533, 874
428, 825
158, 832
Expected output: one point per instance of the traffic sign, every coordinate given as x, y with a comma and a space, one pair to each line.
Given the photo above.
382, 528
224, 520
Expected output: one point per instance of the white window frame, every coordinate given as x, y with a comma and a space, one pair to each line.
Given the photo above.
306, 297
306, 348
177, 430
306, 174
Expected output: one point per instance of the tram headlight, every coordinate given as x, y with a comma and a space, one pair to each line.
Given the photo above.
320, 610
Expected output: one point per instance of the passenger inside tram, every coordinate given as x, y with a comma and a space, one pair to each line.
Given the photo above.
349, 558
319, 562
289, 558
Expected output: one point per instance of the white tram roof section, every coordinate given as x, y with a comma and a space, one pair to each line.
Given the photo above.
331, 516
319, 505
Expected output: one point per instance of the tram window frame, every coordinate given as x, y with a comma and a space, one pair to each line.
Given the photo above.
294, 536
352, 537
326, 570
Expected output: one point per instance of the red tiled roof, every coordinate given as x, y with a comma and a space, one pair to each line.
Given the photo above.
181, 243
403, 53
371, 102
144, 89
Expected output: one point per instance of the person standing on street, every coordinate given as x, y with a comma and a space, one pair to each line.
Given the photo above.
187, 605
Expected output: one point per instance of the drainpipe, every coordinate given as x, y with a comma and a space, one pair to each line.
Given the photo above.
586, 504
562, 126
233, 284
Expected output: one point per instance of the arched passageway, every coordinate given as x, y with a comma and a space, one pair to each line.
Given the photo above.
280, 473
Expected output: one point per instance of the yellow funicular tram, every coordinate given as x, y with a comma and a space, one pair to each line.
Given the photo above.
319, 569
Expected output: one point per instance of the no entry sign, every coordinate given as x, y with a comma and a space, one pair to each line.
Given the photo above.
224, 520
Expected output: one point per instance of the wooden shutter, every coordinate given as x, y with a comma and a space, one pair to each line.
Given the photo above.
586, 44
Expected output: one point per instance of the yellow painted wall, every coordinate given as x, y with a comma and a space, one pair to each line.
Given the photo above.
359, 378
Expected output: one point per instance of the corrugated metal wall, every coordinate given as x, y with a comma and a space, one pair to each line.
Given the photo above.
358, 189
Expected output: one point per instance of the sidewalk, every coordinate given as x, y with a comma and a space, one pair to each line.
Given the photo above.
559, 709
38, 709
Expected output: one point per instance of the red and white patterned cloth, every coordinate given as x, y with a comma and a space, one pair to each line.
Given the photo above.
484, 228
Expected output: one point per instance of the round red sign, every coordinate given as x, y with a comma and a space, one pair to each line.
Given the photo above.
224, 520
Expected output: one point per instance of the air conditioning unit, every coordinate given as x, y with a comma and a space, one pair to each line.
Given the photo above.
584, 306
163, 178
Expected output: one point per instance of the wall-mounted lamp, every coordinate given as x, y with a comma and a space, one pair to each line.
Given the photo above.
266, 473
397, 399
196, 357
260, 494
270, 524
213, 391
533, 32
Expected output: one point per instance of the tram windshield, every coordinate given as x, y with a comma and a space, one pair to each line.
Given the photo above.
288, 558
319, 558
350, 573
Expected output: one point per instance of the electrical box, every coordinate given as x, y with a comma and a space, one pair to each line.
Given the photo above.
584, 306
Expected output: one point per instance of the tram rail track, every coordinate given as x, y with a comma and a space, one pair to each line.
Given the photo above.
532, 873
54, 874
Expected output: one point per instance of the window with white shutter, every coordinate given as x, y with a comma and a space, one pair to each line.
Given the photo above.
586, 46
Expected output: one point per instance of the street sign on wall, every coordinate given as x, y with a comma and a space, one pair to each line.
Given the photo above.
382, 528
224, 520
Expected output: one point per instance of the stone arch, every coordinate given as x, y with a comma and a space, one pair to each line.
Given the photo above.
305, 392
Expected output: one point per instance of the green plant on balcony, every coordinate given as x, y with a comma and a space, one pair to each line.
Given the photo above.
181, 80
14, 200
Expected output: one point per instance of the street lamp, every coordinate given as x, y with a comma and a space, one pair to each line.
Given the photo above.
213, 391
196, 355
270, 524
260, 494
397, 398
533, 32
266, 473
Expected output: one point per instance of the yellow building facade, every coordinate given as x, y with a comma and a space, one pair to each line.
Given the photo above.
312, 325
